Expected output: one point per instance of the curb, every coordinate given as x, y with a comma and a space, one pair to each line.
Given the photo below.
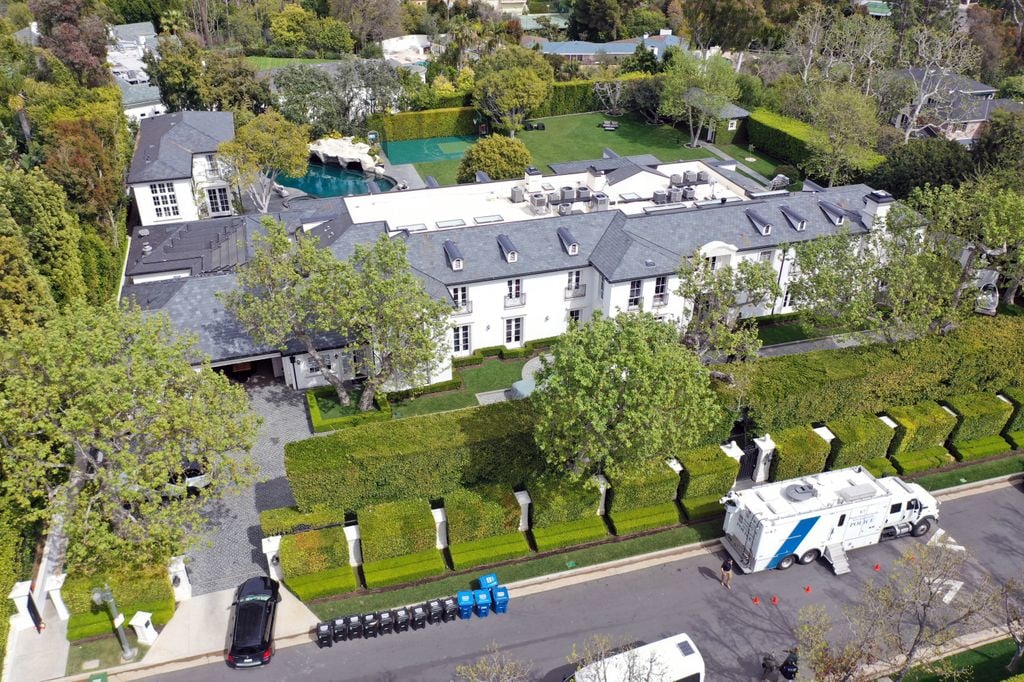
960, 490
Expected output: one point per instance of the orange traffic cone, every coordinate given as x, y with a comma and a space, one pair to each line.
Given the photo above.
807, 589
775, 600
878, 567
757, 600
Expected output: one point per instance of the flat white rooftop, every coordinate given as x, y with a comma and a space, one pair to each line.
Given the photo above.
826, 490
492, 202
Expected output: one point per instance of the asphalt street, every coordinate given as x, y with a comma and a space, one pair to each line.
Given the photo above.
684, 596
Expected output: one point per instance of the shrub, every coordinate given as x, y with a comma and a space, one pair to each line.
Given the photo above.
569, 534
826, 385
423, 457
416, 125
794, 141
286, 520
656, 485
970, 450
480, 513
799, 451
392, 529
702, 507
323, 424
10, 572
528, 349
1016, 396
327, 583
403, 569
488, 550
556, 501
880, 467
921, 426
314, 551
981, 415
500, 157
859, 439
1017, 438
645, 518
707, 471
146, 590
441, 386
921, 460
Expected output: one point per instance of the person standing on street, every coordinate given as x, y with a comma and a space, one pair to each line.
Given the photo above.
726, 578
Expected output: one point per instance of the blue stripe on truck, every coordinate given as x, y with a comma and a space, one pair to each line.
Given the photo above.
793, 541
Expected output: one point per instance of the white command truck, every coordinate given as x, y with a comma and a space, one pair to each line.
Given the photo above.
778, 524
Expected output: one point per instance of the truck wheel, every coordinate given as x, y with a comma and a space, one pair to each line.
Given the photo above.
809, 557
786, 562
921, 527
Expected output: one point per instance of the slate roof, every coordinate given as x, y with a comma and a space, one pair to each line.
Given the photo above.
166, 143
27, 36
138, 95
132, 32
727, 110
957, 82
606, 164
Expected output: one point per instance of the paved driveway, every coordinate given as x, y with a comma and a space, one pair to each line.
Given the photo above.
235, 521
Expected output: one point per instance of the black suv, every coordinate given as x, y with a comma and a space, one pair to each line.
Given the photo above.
252, 630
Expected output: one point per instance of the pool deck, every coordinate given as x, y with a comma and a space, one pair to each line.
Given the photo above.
405, 172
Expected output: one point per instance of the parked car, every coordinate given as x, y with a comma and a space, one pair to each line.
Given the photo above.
252, 623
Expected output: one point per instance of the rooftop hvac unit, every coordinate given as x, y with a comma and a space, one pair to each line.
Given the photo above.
564, 209
689, 194
599, 202
689, 177
676, 179
660, 196
568, 194
702, 176
518, 194
554, 197
675, 195
583, 193
538, 203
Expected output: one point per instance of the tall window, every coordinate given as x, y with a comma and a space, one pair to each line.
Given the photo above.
765, 257
211, 161
513, 330
460, 341
635, 288
787, 299
713, 262
574, 315
461, 297
217, 198
661, 290
600, 288
165, 202
574, 279
515, 288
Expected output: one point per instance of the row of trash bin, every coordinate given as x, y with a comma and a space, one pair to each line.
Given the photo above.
490, 596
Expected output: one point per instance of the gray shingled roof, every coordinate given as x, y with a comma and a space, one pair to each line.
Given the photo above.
166, 143
956, 81
604, 164
132, 32
138, 95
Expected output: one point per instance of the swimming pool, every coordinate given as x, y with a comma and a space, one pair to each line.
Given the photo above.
334, 181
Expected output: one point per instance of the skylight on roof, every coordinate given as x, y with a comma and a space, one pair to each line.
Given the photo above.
484, 219
445, 224
415, 227
629, 196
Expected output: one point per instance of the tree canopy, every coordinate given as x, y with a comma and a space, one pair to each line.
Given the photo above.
263, 149
502, 158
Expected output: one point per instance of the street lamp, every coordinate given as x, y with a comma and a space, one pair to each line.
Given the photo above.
101, 595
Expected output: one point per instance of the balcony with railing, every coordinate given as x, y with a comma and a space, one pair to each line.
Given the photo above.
578, 291
515, 301
464, 308
660, 300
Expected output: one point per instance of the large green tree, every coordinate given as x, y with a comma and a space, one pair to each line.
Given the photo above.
598, 20
263, 149
920, 162
618, 393
100, 410
849, 123
509, 96
25, 298
502, 158
696, 90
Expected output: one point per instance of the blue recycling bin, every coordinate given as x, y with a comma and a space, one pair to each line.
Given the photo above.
499, 597
483, 602
488, 581
465, 600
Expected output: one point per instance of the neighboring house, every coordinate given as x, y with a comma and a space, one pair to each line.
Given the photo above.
174, 174
873, 8
586, 52
517, 260
729, 124
531, 22
141, 101
513, 7
28, 35
959, 111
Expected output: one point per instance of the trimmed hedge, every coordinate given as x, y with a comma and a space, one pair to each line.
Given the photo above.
792, 140
441, 386
921, 426
880, 467
570, 533
798, 452
10, 572
655, 486
858, 440
645, 518
707, 472
393, 529
921, 460
826, 385
981, 415
529, 348
481, 513
417, 125
556, 501
422, 457
488, 550
1017, 438
146, 590
323, 584
314, 551
322, 424
970, 450
1016, 396
403, 569
702, 507
285, 520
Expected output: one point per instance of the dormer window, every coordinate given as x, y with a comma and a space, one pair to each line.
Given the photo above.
508, 248
569, 243
759, 222
796, 221
836, 215
454, 255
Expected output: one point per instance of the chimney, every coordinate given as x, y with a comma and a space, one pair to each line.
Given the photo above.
876, 208
34, 28
597, 180
533, 179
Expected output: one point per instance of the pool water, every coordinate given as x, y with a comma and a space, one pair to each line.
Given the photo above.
334, 181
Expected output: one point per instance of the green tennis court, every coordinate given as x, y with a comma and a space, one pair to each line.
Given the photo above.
430, 149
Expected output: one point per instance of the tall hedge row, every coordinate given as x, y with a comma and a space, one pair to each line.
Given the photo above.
920, 427
789, 139
480, 513
859, 439
10, 573
1016, 395
557, 500
656, 484
707, 471
146, 590
417, 125
315, 563
984, 354
981, 415
393, 529
799, 451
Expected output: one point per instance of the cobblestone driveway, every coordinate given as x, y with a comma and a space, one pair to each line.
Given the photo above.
234, 521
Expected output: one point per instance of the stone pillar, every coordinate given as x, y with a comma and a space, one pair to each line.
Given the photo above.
53, 587
765, 453
355, 548
142, 622
523, 498
733, 450
272, 550
179, 579
674, 465
441, 525
20, 596
603, 485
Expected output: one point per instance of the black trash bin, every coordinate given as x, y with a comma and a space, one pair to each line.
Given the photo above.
371, 625
401, 620
387, 622
435, 611
355, 627
324, 634
451, 609
340, 627
419, 616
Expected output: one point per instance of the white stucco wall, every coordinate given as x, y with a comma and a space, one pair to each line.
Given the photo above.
186, 203
148, 111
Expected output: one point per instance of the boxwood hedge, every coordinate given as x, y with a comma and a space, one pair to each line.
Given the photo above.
571, 533
858, 439
481, 513
284, 520
794, 141
403, 569
881, 466
1016, 396
140, 590
921, 426
488, 550
417, 125
828, 385
392, 529
645, 518
1017, 439
702, 507
799, 451
322, 584
655, 484
322, 424
921, 460
981, 415
969, 450
314, 551
557, 500
707, 471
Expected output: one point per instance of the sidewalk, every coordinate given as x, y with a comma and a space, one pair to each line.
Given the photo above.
739, 164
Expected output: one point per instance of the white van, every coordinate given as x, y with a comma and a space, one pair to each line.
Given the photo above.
674, 659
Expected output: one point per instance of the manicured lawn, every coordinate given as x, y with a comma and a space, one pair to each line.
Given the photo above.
492, 375
784, 332
263, 63
972, 473
330, 408
444, 172
106, 650
764, 164
986, 664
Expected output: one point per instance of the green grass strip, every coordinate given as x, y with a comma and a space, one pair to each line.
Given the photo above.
646, 518
571, 533
972, 473
489, 550
985, 664
403, 569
